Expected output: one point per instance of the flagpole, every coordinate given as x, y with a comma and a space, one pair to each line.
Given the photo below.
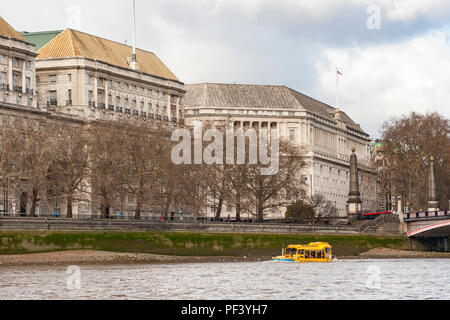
337, 89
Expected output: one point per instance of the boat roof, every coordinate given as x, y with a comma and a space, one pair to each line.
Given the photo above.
311, 245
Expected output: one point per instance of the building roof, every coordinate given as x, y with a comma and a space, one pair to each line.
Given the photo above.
40, 39
7, 31
245, 96
73, 43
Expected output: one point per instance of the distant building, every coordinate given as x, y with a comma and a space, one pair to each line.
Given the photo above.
326, 134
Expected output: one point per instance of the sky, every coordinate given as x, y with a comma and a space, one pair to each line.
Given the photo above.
394, 55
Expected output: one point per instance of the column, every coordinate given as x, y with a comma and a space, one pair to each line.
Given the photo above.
106, 94
354, 197
10, 73
23, 75
169, 106
433, 201
95, 91
178, 108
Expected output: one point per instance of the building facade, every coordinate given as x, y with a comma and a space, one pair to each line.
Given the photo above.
92, 78
71, 76
326, 135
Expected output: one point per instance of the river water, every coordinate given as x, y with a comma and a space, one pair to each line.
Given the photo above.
267, 280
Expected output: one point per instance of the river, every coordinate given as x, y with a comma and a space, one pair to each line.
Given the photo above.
341, 280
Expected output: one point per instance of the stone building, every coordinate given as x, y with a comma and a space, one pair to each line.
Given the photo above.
326, 134
17, 68
71, 76
92, 78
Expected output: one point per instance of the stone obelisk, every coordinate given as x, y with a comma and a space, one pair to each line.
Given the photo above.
354, 202
433, 201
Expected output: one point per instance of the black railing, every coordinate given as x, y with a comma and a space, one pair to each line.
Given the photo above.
144, 114
52, 102
101, 105
17, 89
135, 112
4, 86
119, 109
111, 107
127, 111
158, 117
165, 118
68, 102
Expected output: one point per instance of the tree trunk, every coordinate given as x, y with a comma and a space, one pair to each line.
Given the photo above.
69, 207
34, 201
166, 207
104, 209
238, 211
218, 209
137, 212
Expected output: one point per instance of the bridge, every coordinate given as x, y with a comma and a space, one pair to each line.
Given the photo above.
430, 229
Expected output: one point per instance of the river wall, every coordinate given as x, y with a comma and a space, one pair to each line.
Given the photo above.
188, 243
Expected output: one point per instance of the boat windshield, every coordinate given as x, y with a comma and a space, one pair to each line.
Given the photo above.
291, 251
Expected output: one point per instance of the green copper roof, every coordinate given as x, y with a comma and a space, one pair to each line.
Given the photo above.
40, 39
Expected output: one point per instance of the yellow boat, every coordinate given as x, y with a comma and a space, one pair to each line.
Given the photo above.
312, 252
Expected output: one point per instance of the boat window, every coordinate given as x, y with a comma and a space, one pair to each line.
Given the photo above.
313, 254
291, 251
307, 254
301, 251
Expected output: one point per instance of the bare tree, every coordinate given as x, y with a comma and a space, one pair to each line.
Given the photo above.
144, 149
69, 168
36, 153
322, 208
265, 192
408, 143
105, 162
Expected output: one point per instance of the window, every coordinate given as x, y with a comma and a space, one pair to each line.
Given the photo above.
28, 65
16, 79
292, 135
52, 78
16, 62
69, 97
53, 97
70, 77
6, 97
18, 99
2, 59
3, 78
29, 102
27, 84
90, 98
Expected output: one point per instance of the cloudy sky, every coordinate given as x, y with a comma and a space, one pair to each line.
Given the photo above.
394, 54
